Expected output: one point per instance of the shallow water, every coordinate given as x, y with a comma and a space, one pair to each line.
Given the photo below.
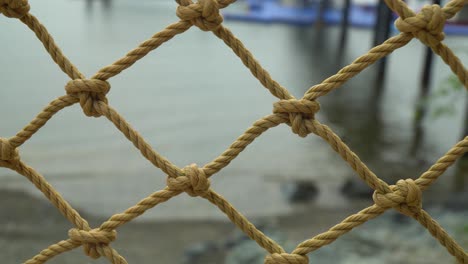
192, 97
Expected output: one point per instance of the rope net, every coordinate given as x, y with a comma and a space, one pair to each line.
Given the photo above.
405, 196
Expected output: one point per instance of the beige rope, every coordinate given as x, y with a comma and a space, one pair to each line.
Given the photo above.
241, 221
89, 92
286, 258
436, 170
41, 119
7, 151
52, 251
300, 113
142, 50
51, 47
14, 8
405, 196
203, 14
194, 182
357, 66
444, 239
338, 230
92, 240
254, 66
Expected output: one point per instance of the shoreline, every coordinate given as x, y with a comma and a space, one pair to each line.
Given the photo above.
29, 225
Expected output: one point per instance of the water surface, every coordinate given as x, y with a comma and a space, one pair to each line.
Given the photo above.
192, 97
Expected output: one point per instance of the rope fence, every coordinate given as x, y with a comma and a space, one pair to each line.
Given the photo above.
404, 196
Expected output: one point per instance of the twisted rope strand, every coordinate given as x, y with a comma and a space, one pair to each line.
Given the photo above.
138, 141
51, 194
49, 44
142, 50
348, 155
436, 170
441, 235
41, 119
357, 66
338, 230
241, 221
112, 255
452, 7
428, 26
258, 128
453, 62
52, 251
254, 66
140, 208
405, 196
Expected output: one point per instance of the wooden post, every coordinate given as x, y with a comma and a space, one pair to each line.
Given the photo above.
427, 69
345, 24
382, 33
465, 125
424, 89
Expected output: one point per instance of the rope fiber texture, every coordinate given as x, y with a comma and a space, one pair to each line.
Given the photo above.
405, 196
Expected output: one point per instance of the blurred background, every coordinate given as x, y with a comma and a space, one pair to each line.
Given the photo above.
192, 97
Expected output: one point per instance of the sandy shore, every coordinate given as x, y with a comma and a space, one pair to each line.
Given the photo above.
29, 225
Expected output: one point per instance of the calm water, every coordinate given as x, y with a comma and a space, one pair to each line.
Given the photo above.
192, 97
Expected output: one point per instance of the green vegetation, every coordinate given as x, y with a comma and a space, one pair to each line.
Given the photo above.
452, 92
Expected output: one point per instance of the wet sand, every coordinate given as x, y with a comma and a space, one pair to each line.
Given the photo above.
29, 225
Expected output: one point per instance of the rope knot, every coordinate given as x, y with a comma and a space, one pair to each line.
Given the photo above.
406, 197
285, 258
14, 8
194, 181
92, 239
90, 92
300, 111
7, 151
203, 14
427, 25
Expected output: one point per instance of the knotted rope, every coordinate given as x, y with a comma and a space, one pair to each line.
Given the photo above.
285, 258
300, 112
427, 25
14, 8
89, 91
194, 181
7, 151
203, 14
406, 197
92, 239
